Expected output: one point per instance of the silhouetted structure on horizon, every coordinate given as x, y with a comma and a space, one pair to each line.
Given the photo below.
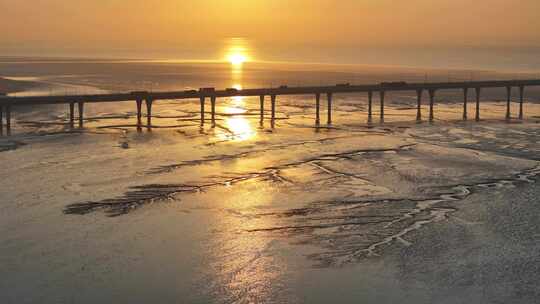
6, 103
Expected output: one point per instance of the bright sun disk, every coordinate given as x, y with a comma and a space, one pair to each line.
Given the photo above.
237, 59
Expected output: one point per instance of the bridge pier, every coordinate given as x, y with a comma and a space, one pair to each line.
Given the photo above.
318, 109
370, 107
419, 105
465, 101
149, 103
71, 115
382, 105
213, 107
521, 97
431, 105
139, 114
508, 99
8, 120
261, 109
1, 120
478, 91
273, 99
329, 98
81, 114
202, 100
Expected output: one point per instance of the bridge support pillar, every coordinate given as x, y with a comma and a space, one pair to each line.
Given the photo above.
521, 97
370, 107
139, 114
382, 106
318, 109
465, 101
329, 99
419, 105
213, 107
273, 100
261, 99
508, 100
149, 103
431, 105
1, 121
202, 100
71, 115
478, 91
81, 113
8, 120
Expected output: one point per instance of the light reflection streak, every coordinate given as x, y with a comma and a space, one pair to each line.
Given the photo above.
241, 268
237, 125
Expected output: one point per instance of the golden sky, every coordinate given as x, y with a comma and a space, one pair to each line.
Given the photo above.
269, 24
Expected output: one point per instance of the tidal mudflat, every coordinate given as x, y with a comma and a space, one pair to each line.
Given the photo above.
243, 213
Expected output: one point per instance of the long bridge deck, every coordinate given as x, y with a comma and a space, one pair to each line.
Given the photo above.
7, 103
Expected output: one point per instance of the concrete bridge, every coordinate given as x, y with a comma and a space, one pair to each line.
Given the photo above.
8, 103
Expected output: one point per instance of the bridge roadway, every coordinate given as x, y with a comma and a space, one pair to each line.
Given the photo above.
7, 103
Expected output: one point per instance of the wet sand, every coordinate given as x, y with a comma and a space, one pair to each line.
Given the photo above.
256, 214
486, 251
242, 213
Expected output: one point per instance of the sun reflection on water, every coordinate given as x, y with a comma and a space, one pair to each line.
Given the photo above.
237, 126
241, 268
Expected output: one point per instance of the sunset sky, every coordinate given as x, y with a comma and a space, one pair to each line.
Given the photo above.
198, 28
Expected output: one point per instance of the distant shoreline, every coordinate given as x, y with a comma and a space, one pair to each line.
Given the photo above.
322, 64
8, 86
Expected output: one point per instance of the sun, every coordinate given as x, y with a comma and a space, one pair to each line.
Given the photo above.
237, 59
